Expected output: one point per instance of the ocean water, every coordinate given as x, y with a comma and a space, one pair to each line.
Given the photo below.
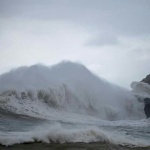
17, 129
68, 104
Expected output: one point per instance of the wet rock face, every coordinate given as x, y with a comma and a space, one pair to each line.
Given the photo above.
147, 100
147, 79
147, 107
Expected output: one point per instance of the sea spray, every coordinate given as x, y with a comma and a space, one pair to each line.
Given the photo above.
67, 86
71, 104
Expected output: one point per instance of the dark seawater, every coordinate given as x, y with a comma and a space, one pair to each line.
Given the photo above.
10, 122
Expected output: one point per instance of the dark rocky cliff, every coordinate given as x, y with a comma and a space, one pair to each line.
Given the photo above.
147, 100
147, 79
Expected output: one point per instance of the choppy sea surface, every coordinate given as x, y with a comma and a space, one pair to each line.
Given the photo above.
17, 129
68, 107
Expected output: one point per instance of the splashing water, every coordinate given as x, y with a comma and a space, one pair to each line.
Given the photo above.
76, 105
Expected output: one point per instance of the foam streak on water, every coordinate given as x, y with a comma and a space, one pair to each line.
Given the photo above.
129, 133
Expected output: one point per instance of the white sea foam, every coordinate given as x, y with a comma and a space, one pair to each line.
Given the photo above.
69, 93
59, 134
69, 87
141, 90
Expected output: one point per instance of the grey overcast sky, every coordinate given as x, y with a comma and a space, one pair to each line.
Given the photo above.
110, 37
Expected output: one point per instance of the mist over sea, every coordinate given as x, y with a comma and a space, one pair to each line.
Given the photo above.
66, 103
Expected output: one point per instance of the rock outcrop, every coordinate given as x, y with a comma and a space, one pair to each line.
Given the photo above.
141, 91
147, 107
147, 100
147, 79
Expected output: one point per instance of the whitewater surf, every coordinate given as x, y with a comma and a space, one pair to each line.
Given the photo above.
66, 103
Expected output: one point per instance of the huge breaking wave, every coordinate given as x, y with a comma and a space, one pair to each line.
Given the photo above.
67, 92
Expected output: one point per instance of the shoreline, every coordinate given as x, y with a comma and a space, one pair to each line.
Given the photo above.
70, 146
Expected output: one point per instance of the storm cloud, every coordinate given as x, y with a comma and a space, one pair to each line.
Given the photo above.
110, 37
